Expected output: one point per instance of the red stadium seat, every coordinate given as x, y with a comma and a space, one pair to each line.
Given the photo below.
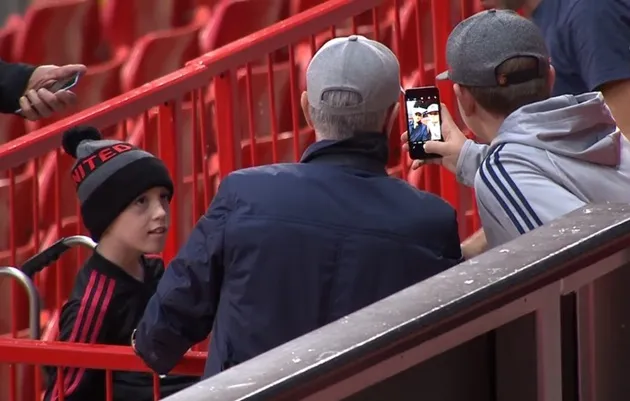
101, 81
184, 11
125, 21
208, 3
159, 53
7, 36
234, 19
53, 33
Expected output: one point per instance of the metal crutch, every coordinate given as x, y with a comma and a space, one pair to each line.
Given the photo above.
34, 305
38, 262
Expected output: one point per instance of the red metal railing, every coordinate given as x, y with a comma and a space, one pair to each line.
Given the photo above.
235, 107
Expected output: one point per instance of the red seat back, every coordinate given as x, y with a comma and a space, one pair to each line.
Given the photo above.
7, 36
126, 21
159, 53
234, 19
184, 12
53, 33
95, 49
101, 81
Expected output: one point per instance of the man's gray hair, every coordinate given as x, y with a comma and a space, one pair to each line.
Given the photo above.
328, 126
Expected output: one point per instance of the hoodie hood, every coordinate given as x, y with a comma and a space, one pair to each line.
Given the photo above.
580, 127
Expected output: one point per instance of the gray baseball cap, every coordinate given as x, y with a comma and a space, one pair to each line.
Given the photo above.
355, 64
484, 41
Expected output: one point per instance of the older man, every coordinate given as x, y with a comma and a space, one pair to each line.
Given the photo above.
287, 248
26, 87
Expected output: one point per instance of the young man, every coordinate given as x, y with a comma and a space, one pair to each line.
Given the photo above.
547, 156
124, 194
432, 121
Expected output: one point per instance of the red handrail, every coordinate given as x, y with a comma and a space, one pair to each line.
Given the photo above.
194, 75
93, 356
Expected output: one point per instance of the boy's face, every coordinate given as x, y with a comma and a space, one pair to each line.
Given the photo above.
143, 225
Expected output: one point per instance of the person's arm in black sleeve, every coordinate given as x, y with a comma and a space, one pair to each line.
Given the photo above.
14, 78
181, 312
82, 322
599, 32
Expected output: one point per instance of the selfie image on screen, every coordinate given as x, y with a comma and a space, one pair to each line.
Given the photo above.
423, 117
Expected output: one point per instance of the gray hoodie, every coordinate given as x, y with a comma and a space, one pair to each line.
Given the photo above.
548, 159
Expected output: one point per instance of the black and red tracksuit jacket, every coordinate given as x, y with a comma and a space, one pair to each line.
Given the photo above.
104, 307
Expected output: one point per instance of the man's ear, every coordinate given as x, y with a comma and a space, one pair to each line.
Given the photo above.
552, 78
465, 100
304, 104
390, 119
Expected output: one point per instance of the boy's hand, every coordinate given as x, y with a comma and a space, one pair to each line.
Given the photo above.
454, 140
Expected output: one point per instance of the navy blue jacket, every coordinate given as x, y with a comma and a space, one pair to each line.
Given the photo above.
13, 80
419, 134
287, 248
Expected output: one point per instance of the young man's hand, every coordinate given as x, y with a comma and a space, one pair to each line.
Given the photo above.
454, 140
37, 101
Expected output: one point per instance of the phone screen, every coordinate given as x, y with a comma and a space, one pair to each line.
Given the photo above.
424, 121
67, 84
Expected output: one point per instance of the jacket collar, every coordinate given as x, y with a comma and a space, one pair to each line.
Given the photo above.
364, 151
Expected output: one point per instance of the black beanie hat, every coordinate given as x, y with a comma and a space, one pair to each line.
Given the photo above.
109, 175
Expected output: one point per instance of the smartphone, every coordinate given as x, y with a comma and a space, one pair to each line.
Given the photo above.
424, 120
59, 86
64, 84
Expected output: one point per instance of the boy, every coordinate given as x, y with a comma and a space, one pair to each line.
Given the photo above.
124, 194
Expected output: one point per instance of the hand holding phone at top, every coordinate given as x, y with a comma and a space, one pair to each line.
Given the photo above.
449, 149
39, 99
